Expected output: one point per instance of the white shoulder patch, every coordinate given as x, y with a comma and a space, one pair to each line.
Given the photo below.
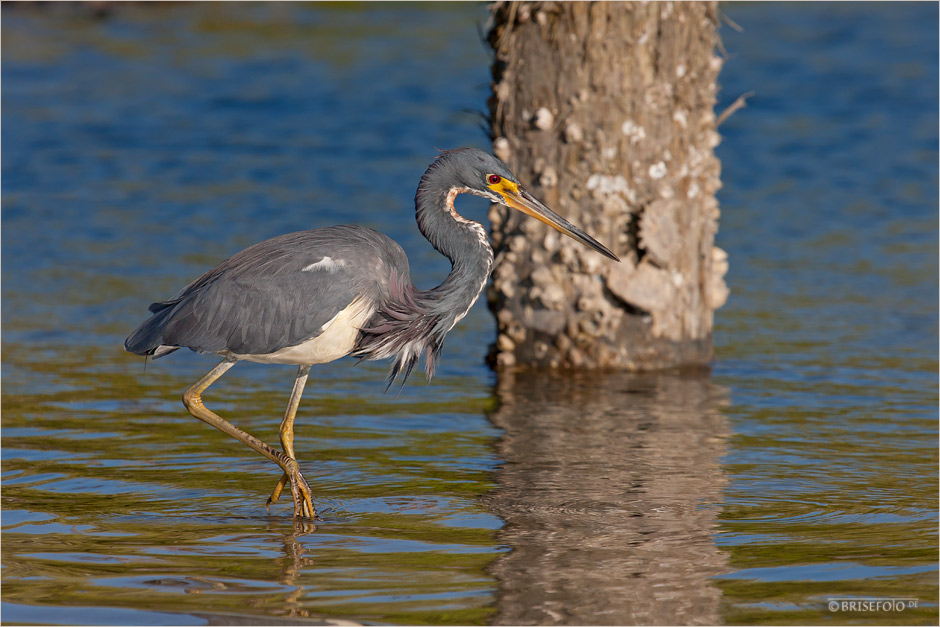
327, 264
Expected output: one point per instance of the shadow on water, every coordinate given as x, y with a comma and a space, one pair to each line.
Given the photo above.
609, 487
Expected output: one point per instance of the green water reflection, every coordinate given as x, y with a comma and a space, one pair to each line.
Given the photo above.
109, 503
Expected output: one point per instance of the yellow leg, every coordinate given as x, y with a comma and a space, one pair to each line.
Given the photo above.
287, 427
192, 399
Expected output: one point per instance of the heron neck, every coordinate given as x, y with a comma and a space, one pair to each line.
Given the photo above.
462, 241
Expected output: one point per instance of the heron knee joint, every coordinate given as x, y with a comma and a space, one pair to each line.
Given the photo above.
191, 399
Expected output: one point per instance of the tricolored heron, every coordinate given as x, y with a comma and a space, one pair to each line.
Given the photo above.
314, 296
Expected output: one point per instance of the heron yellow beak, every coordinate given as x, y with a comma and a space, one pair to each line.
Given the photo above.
518, 198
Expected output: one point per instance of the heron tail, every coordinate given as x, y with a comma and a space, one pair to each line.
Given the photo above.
147, 339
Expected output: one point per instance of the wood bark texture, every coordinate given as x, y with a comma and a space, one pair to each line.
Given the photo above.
606, 112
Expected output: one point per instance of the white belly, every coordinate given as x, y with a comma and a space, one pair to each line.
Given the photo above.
337, 339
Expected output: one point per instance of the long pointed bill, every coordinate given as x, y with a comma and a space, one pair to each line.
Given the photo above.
525, 202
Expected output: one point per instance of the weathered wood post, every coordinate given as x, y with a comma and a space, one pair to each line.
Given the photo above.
606, 111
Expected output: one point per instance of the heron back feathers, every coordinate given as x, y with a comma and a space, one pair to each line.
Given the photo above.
273, 295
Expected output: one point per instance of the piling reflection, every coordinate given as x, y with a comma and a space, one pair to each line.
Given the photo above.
610, 489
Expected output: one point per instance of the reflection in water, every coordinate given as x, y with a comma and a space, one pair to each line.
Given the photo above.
609, 491
291, 610
292, 563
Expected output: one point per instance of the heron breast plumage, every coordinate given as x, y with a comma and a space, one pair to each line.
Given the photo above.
336, 338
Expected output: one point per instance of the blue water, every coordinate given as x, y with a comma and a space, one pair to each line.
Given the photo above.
140, 149
829, 340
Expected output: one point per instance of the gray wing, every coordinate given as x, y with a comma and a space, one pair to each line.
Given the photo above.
275, 294
258, 315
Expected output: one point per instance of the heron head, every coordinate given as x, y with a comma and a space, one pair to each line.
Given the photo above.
487, 176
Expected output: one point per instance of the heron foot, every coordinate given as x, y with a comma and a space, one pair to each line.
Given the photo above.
303, 499
300, 491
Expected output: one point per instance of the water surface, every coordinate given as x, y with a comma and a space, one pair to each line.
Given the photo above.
143, 148
829, 341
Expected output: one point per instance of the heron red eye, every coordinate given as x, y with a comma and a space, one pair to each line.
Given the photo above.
493, 179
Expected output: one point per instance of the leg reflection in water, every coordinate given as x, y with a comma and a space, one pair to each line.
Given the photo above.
610, 490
